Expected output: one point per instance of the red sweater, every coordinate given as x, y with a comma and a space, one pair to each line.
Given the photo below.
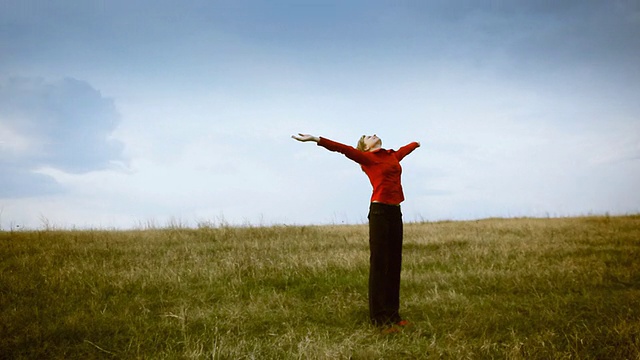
381, 166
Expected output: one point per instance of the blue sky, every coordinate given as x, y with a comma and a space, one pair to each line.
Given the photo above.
120, 113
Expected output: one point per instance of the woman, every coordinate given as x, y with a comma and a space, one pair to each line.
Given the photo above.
385, 221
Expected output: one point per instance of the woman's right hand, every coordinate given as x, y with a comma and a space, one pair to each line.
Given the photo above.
305, 137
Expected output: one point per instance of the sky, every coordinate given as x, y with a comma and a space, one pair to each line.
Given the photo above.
129, 114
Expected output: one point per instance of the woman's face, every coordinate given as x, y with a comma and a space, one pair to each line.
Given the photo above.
372, 142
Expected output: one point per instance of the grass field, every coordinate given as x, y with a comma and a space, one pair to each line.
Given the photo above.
509, 289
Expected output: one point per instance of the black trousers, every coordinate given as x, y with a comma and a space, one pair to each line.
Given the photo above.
385, 261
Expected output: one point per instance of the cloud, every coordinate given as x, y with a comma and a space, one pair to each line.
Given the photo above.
64, 124
523, 108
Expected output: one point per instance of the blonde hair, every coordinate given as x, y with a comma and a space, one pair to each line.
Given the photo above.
361, 145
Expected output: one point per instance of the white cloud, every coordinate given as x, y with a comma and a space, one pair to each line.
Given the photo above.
13, 143
64, 124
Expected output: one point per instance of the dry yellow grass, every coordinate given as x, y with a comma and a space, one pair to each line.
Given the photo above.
496, 288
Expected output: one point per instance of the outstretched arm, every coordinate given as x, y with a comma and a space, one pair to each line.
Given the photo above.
354, 154
406, 150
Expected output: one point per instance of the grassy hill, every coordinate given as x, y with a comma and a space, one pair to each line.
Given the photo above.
497, 288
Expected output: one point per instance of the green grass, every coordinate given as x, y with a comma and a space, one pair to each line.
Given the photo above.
508, 289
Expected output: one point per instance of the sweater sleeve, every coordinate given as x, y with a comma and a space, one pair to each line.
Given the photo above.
348, 151
406, 150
